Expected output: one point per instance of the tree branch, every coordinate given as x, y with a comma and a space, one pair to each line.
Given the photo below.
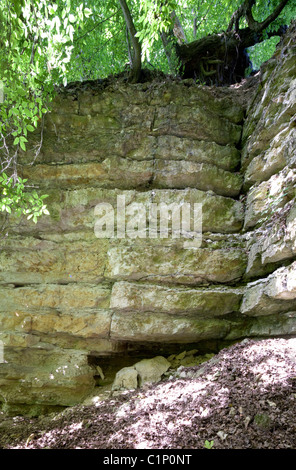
244, 10
96, 25
178, 29
258, 27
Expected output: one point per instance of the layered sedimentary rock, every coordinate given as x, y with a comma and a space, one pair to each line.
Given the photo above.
70, 299
268, 163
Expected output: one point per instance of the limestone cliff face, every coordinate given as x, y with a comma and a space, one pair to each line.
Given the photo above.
68, 297
268, 164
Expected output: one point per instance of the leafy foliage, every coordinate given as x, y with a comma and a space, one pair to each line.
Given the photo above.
35, 47
16, 199
101, 49
264, 50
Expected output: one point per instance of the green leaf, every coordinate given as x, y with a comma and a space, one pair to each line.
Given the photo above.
23, 146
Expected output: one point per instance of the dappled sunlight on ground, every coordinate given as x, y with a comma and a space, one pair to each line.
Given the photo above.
244, 398
270, 366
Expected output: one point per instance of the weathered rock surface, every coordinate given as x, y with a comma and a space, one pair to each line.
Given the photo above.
74, 211
138, 328
36, 379
270, 197
210, 302
274, 242
125, 174
144, 371
173, 264
126, 378
281, 153
276, 293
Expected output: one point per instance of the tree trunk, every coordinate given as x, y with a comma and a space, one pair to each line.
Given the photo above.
136, 62
220, 59
169, 40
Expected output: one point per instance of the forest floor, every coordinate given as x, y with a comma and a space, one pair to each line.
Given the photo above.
243, 398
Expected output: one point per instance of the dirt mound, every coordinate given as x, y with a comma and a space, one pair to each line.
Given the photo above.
244, 397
